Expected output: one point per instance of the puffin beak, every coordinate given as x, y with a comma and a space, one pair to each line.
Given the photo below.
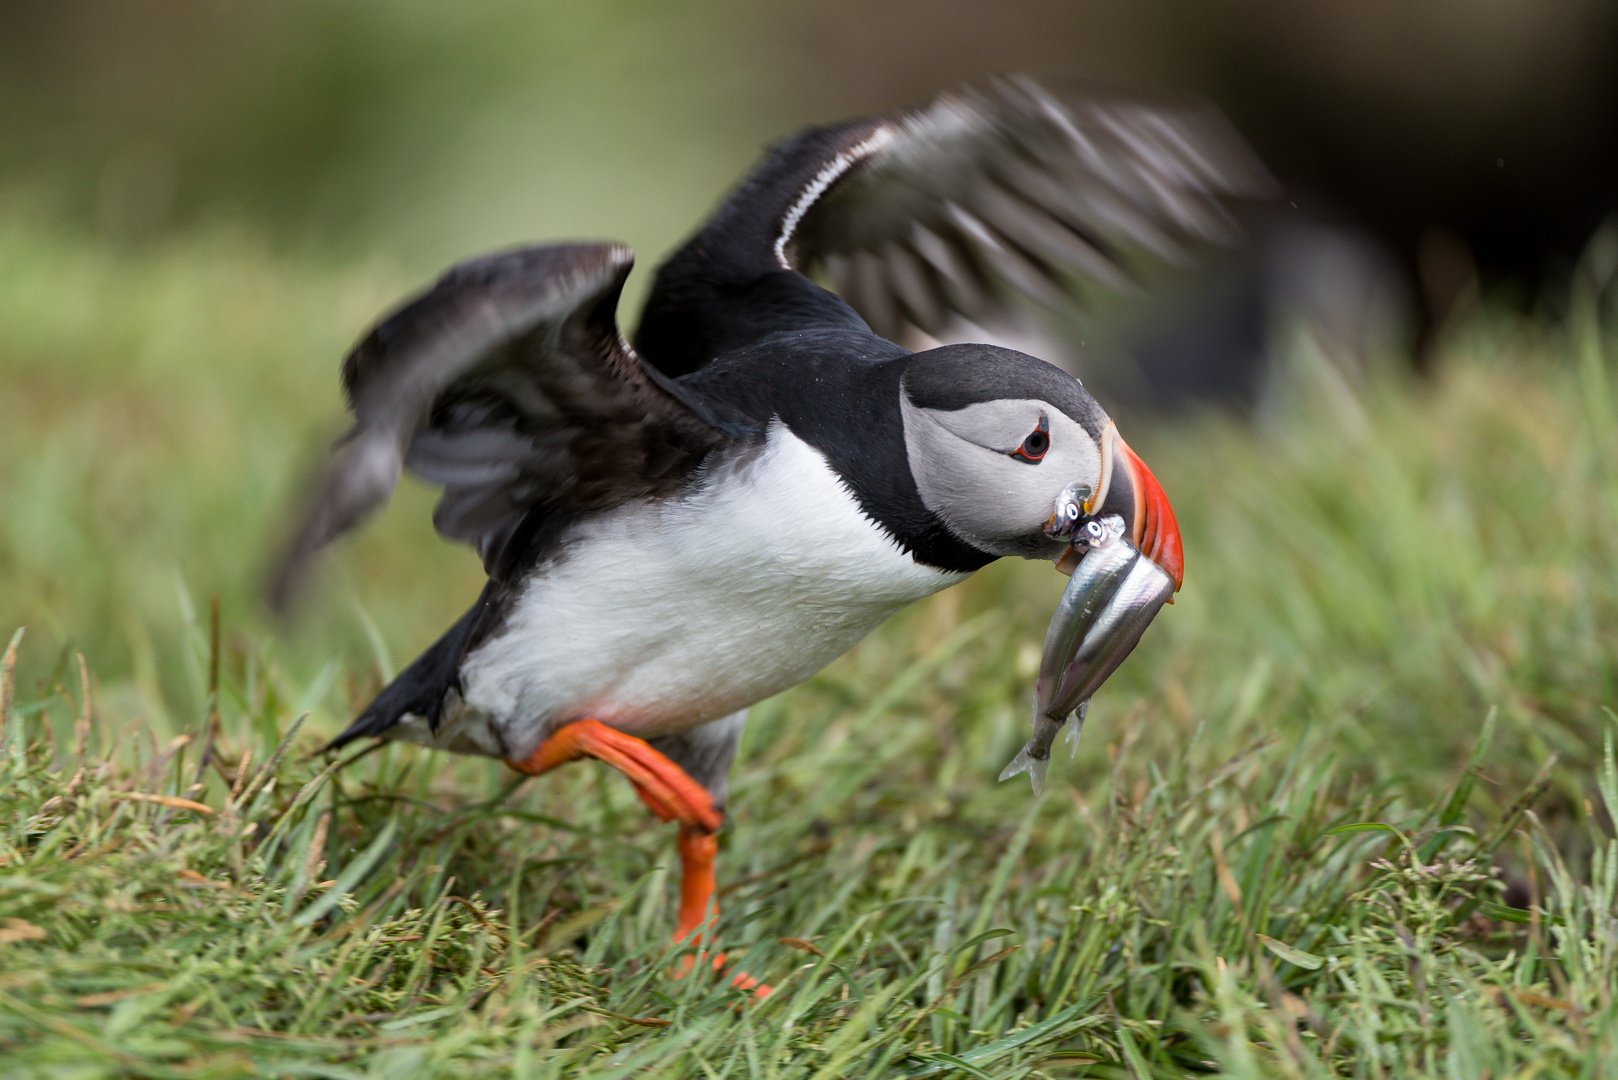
1129, 490
1146, 511
1125, 565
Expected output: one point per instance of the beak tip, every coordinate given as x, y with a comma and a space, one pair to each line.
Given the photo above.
1167, 552
1156, 532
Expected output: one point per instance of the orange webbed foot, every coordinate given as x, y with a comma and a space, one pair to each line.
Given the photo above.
697, 852
670, 793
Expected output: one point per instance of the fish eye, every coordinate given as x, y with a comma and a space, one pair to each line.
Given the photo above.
1035, 446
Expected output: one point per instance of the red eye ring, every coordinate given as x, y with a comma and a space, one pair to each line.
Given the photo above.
1037, 445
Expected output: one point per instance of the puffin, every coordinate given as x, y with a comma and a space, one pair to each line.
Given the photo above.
676, 529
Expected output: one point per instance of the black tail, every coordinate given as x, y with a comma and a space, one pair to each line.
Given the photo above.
420, 689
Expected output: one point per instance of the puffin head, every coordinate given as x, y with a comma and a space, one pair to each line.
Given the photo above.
995, 436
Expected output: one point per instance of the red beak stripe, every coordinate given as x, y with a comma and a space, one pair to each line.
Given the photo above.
1156, 532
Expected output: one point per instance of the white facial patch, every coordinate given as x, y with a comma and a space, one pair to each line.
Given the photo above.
961, 460
1000, 426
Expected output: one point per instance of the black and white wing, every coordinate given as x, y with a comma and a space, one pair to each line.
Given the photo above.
509, 384
958, 207
1012, 188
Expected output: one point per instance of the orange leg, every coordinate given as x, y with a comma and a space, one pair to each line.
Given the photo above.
662, 785
667, 792
697, 851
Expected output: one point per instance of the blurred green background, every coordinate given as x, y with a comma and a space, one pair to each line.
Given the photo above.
203, 204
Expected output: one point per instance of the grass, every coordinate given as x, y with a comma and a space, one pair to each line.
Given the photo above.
1348, 812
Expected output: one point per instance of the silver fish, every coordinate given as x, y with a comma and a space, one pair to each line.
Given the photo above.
1112, 637
1112, 597
1107, 559
1035, 756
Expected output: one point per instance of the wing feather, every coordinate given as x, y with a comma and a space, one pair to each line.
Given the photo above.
1010, 190
508, 384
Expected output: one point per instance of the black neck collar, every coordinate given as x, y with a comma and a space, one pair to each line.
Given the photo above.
839, 391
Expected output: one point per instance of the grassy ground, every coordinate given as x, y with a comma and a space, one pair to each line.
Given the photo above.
1349, 810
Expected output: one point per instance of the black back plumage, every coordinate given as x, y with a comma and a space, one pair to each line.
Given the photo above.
725, 288
959, 209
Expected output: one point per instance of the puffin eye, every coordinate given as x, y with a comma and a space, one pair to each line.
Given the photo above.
1033, 448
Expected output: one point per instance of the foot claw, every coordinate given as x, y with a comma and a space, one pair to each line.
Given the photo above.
741, 980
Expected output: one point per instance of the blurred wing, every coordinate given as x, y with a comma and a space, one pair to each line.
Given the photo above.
508, 384
1009, 190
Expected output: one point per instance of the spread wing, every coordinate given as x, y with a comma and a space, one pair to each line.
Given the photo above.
1013, 189
958, 207
509, 384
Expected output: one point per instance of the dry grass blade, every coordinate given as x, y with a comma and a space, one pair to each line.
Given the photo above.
165, 800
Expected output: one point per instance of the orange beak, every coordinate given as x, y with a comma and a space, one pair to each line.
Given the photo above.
1152, 525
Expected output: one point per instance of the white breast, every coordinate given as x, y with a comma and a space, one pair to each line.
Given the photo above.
660, 616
